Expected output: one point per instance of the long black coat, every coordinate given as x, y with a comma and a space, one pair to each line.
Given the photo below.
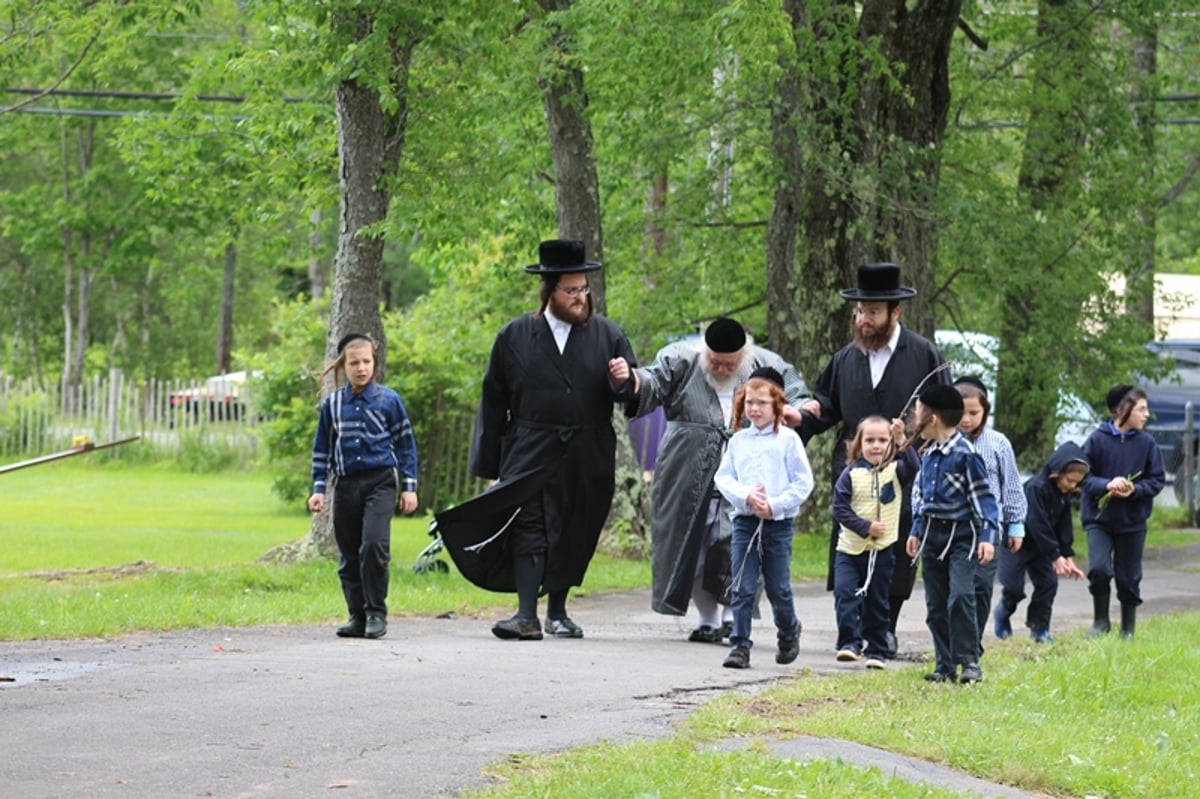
847, 397
540, 407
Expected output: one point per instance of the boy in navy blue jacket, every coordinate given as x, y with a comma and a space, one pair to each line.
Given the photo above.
1118, 495
955, 525
1048, 552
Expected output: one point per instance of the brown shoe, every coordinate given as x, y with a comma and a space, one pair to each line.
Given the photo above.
518, 629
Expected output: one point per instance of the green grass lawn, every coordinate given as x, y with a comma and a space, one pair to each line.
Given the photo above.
69, 516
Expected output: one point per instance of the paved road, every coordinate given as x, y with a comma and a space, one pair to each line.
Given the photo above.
295, 712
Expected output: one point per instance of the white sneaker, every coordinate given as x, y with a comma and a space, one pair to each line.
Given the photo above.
875, 663
848, 656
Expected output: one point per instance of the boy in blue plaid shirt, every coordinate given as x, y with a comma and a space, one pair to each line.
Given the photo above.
955, 524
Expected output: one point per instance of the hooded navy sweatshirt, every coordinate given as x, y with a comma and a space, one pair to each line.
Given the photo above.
1112, 453
1048, 527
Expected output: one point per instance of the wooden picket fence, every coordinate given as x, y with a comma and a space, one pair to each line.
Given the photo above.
37, 420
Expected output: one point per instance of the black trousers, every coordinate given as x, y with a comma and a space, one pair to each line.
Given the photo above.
363, 505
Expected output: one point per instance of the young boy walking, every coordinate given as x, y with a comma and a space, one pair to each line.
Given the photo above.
1048, 552
955, 522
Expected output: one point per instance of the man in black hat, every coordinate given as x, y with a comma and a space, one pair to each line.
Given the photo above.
875, 374
548, 397
694, 382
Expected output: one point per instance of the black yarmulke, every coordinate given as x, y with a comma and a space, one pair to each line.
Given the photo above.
941, 397
768, 373
1116, 394
724, 335
971, 380
345, 340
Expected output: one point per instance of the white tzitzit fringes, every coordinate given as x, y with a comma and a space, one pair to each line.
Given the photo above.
949, 540
921, 546
755, 541
870, 572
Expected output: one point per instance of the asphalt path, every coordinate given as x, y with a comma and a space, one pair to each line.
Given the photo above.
292, 711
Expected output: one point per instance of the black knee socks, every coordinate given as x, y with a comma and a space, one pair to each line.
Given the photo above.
528, 571
556, 605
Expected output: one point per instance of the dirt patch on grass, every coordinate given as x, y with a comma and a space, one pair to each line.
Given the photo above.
136, 569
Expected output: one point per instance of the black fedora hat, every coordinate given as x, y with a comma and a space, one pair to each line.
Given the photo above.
561, 257
879, 283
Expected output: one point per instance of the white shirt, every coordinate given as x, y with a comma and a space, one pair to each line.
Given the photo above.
879, 358
559, 328
726, 400
776, 461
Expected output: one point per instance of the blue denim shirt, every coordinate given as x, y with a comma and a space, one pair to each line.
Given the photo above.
357, 432
953, 486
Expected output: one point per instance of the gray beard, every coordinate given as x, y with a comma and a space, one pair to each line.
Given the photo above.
734, 381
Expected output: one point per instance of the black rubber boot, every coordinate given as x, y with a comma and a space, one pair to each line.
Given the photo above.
1100, 622
1128, 620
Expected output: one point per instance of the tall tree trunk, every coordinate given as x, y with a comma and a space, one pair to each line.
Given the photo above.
1139, 282
370, 143
576, 184
225, 325
880, 134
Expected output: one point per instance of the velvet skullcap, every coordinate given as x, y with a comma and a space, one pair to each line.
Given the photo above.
769, 374
724, 335
347, 339
971, 380
941, 397
1116, 394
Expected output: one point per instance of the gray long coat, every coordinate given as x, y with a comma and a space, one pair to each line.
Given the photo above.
687, 460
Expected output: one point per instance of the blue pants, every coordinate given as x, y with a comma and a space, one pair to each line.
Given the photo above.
363, 504
1039, 567
1116, 555
863, 617
950, 593
768, 552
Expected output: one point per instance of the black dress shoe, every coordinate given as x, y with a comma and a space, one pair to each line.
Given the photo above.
939, 676
563, 628
970, 674
376, 626
789, 649
518, 629
353, 628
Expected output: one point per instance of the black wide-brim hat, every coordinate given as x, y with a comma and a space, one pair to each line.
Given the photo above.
879, 283
561, 257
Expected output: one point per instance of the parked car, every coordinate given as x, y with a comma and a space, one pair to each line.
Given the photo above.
219, 398
976, 354
1168, 399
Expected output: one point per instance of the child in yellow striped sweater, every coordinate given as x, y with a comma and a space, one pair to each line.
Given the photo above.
866, 507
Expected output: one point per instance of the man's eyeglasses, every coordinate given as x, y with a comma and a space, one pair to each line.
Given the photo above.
576, 291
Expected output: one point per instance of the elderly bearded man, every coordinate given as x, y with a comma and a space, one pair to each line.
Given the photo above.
694, 383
